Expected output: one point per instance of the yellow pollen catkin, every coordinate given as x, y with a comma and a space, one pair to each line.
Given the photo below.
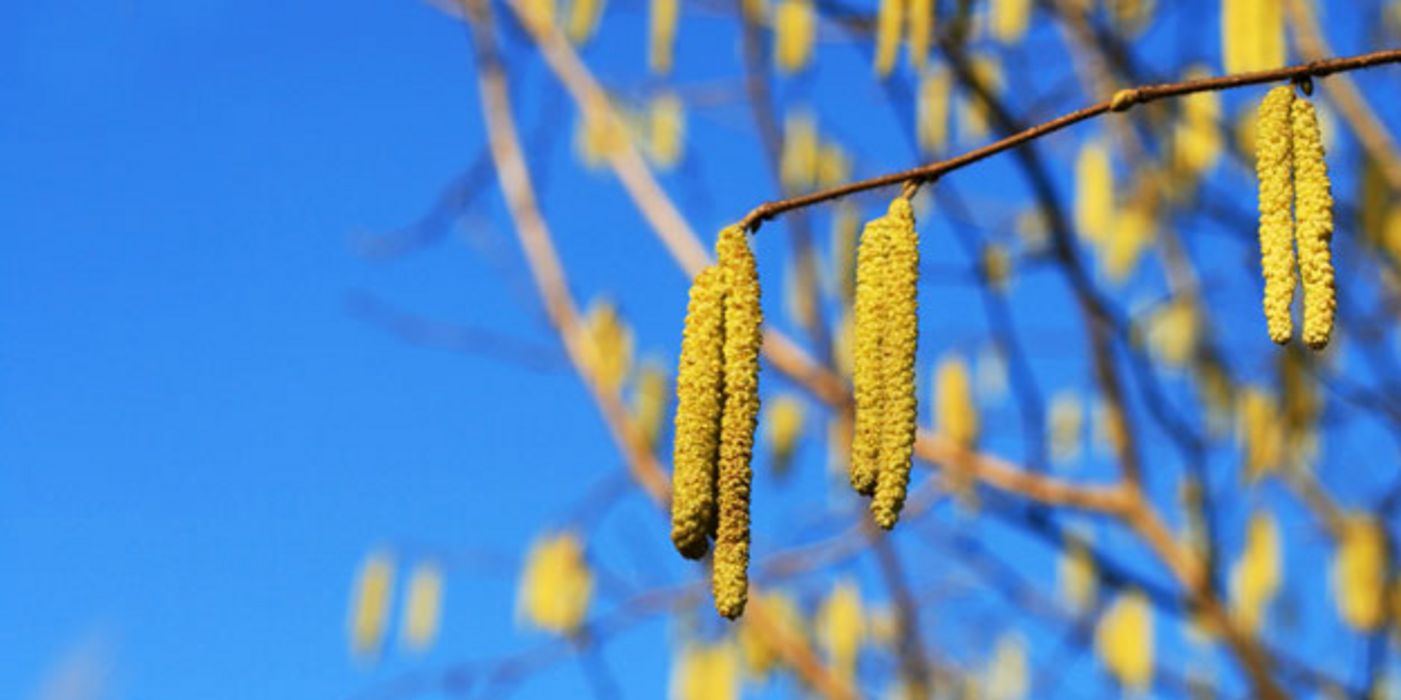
901, 337
1252, 35
583, 19
921, 30
795, 28
1273, 151
555, 585
664, 16
935, 89
1313, 211
369, 604
699, 401
889, 18
423, 608
742, 322
868, 331
1360, 571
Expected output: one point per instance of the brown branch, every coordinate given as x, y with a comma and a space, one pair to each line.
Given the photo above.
1121, 101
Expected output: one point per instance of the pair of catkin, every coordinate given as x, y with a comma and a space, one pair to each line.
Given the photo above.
884, 339
1292, 172
717, 387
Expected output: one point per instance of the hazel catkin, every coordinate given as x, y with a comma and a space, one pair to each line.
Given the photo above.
899, 293
868, 330
699, 386
1313, 228
1273, 160
742, 321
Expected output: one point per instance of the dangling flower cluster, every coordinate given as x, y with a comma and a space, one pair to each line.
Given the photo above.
1292, 173
886, 334
717, 411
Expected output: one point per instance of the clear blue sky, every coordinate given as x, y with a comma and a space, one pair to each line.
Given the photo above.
198, 439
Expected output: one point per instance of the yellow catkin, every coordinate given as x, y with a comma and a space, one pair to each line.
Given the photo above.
1255, 577
867, 337
783, 417
1078, 577
699, 402
555, 585
1066, 426
709, 672
1006, 675
1094, 192
742, 321
1260, 432
798, 161
1009, 19
1124, 640
608, 352
1273, 151
423, 607
1359, 573
666, 130
1313, 230
1197, 140
921, 30
649, 401
889, 17
833, 165
841, 627
1252, 35
795, 28
901, 337
973, 113
661, 35
369, 604
759, 647
956, 413
583, 19
933, 111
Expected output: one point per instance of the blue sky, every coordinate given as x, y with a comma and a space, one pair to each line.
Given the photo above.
199, 440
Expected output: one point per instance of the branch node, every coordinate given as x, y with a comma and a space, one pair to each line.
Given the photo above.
1123, 100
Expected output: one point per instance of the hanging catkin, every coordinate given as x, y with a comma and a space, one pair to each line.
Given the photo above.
921, 30
869, 329
1273, 155
889, 18
1313, 229
698, 406
742, 321
901, 337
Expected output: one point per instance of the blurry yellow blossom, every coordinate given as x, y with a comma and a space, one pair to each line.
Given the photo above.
556, 584
423, 607
1260, 431
1009, 19
1197, 140
956, 413
1172, 332
795, 28
663, 18
1359, 573
932, 127
583, 19
369, 604
1124, 640
1256, 575
973, 115
833, 165
666, 133
890, 15
608, 352
651, 391
1006, 675
757, 647
783, 416
1079, 579
599, 134
705, 673
1066, 417
1252, 35
841, 627
1094, 192
798, 161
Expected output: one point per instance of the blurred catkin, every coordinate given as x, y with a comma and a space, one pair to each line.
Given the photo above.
555, 585
1313, 211
889, 17
901, 337
423, 606
583, 19
663, 19
742, 323
868, 331
921, 30
1360, 567
369, 604
795, 28
1273, 151
700, 400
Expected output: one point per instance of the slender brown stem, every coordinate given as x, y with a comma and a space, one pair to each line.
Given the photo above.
1121, 101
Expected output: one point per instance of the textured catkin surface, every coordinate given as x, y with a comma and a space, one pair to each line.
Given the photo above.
868, 330
742, 320
1273, 164
1313, 212
898, 364
699, 403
